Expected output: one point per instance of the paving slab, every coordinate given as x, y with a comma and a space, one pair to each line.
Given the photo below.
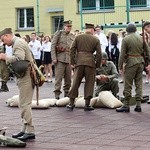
59, 129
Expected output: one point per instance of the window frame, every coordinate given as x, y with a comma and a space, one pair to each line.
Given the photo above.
25, 26
97, 7
140, 7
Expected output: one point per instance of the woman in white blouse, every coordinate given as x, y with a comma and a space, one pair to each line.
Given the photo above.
47, 60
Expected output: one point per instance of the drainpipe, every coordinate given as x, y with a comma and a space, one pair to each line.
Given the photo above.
37, 7
128, 9
81, 15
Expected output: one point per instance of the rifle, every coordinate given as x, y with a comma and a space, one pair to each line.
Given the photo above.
145, 48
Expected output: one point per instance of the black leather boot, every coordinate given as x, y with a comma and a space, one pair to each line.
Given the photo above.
123, 109
88, 108
87, 105
71, 105
4, 87
138, 109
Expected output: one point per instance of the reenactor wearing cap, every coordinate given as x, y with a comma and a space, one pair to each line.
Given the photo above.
132, 56
4, 71
84, 63
21, 51
146, 27
146, 32
60, 49
106, 77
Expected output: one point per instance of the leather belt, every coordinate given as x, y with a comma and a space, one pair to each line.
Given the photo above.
84, 52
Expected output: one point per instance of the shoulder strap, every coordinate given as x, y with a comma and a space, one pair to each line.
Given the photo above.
59, 35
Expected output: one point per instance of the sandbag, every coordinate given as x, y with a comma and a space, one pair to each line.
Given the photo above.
11, 142
98, 103
43, 103
80, 102
62, 101
109, 100
13, 101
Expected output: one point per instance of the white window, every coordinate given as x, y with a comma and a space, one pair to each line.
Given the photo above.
25, 18
97, 4
139, 3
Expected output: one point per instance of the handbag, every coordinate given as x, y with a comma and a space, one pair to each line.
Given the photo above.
19, 68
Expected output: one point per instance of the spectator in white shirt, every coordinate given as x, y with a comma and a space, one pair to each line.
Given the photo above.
102, 37
35, 47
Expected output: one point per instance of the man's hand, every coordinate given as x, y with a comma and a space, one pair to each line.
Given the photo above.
72, 66
148, 68
55, 61
102, 78
120, 71
2, 56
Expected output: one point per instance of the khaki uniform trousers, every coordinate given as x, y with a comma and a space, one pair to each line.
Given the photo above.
25, 100
133, 74
112, 86
62, 70
79, 73
4, 71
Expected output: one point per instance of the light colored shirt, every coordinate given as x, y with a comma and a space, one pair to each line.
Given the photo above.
103, 41
35, 47
46, 46
9, 50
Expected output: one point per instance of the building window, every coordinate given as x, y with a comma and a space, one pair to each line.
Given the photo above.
139, 3
97, 4
57, 23
25, 18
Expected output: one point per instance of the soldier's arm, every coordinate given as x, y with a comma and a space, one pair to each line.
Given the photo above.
53, 46
98, 54
18, 52
114, 72
122, 56
73, 50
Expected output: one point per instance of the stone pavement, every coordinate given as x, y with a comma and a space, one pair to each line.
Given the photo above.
59, 129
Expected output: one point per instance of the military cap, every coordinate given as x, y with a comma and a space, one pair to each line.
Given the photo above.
131, 27
146, 23
104, 55
68, 22
5, 31
88, 26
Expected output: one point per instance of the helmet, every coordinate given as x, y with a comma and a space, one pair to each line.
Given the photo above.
19, 68
104, 55
131, 28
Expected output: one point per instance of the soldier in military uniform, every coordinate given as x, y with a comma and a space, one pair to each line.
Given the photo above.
132, 56
60, 48
21, 51
146, 27
3, 71
83, 61
107, 77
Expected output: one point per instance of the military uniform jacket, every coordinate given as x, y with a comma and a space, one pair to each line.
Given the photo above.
131, 50
82, 49
63, 40
109, 69
21, 51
